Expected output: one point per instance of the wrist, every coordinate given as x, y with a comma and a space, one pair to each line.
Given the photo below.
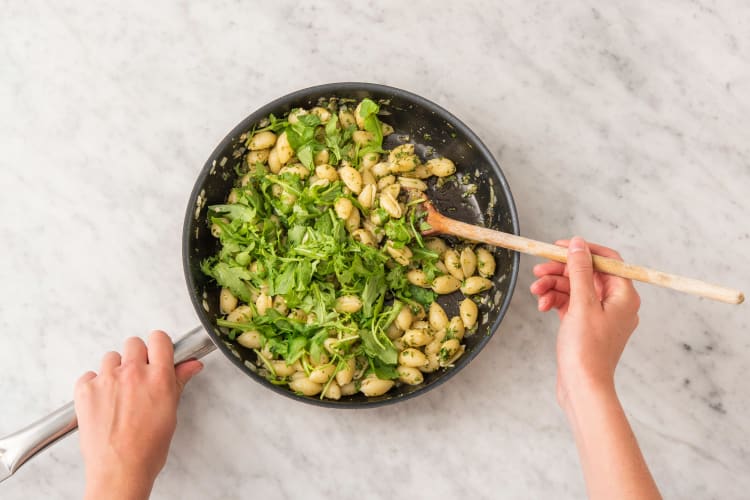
578, 388
117, 485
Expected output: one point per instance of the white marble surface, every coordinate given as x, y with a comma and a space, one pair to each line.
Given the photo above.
627, 124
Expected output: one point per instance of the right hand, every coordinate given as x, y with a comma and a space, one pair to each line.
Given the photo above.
598, 313
127, 415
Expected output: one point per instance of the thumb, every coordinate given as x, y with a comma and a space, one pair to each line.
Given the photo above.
580, 274
185, 371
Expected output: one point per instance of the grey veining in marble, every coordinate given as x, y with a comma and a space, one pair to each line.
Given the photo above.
625, 122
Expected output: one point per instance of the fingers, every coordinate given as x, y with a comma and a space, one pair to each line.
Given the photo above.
85, 378
550, 282
553, 300
134, 351
581, 273
550, 267
185, 371
595, 249
160, 349
110, 361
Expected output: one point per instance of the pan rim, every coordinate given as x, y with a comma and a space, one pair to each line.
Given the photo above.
333, 88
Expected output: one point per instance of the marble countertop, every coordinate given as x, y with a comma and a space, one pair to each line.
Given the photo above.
626, 124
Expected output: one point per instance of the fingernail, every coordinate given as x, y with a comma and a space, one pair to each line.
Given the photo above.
576, 245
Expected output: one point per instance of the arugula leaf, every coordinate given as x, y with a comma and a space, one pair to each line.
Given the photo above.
236, 211
295, 349
233, 277
422, 295
378, 346
384, 371
316, 346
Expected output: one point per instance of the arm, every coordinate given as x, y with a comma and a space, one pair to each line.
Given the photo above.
127, 415
598, 313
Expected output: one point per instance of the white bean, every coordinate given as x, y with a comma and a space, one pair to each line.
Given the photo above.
401, 255
250, 339
389, 203
227, 301
456, 326
432, 364
367, 197
333, 391
409, 375
394, 190
386, 181
298, 169
352, 179
469, 313
259, 156
367, 177
453, 263
321, 157
381, 169
412, 357
437, 245
279, 303
393, 331
283, 150
403, 159
343, 208
421, 172
441, 167
437, 316
263, 304
322, 374
327, 172
346, 118
345, 375
262, 140
445, 284
416, 338
475, 284
241, 314
362, 137
352, 222
468, 262
349, 389
419, 324
485, 263
417, 277
364, 236
370, 160
360, 121
305, 386
294, 115
409, 183
281, 369
321, 113
348, 304
373, 386
273, 161
404, 318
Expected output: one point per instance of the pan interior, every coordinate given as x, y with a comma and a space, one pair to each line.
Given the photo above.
477, 194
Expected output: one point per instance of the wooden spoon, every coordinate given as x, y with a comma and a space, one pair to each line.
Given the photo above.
439, 224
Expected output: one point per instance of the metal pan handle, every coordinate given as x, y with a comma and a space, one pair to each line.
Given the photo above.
17, 448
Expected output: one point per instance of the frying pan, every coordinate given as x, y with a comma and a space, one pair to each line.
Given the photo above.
480, 195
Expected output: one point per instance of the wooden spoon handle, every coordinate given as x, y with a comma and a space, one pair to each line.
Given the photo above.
442, 224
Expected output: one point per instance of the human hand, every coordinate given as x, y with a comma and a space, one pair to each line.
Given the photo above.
597, 311
127, 415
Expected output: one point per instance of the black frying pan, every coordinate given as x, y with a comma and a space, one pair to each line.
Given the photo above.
415, 119
436, 133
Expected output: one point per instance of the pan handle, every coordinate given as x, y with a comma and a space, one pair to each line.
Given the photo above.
19, 447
